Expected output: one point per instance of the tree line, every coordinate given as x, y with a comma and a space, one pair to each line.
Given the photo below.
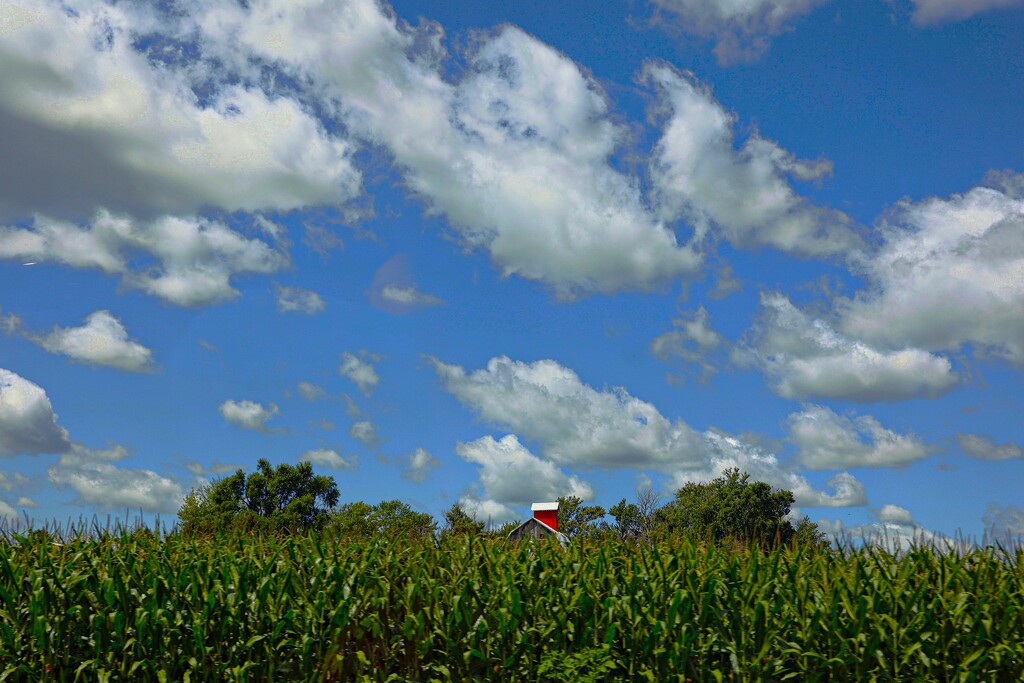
292, 498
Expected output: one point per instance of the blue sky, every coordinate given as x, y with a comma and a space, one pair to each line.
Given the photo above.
494, 253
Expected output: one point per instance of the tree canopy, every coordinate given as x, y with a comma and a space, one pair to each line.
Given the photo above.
730, 506
288, 498
578, 520
457, 522
390, 518
292, 498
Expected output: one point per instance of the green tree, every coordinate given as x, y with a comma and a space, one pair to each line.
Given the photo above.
578, 520
458, 523
389, 518
627, 519
730, 506
636, 521
289, 498
352, 521
807, 534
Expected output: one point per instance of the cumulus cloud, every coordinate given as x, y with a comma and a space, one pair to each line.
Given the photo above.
326, 457
723, 451
102, 340
804, 356
510, 475
27, 421
88, 121
322, 240
364, 431
489, 511
691, 341
825, 441
200, 470
360, 371
742, 30
927, 12
196, 257
743, 194
982, 447
16, 480
515, 153
97, 481
7, 513
10, 324
298, 300
249, 414
310, 391
948, 273
1003, 520
894, 514
409, 296
416, 466
394, 289
578, 426
895, 530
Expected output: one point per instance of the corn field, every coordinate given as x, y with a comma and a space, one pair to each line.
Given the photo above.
132, 606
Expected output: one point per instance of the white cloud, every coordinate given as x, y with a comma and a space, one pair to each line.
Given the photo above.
297, 300
1003, 520
102, 340
896, 531
326, 458
488, 511
578, 426
744, 194
947, 273
17, 480
215, 467
92, 475
894, 514
826, 441
196, 256
27, 421
418, 465
803, 357
983, 447
359, 371
722, 452
26, 502
510, 474
10, 323
7, 513
741, 28
76, 88
248, 414
515, 154
928, 12
310, 391
409, 296
364, 431
691, 340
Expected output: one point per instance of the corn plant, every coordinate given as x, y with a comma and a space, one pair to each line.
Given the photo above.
134, 606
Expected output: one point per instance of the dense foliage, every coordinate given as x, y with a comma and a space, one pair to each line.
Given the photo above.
237, 607
730, 506
291, 499
288, 498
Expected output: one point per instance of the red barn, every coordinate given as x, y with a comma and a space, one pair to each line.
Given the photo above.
544, 524
547, 513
